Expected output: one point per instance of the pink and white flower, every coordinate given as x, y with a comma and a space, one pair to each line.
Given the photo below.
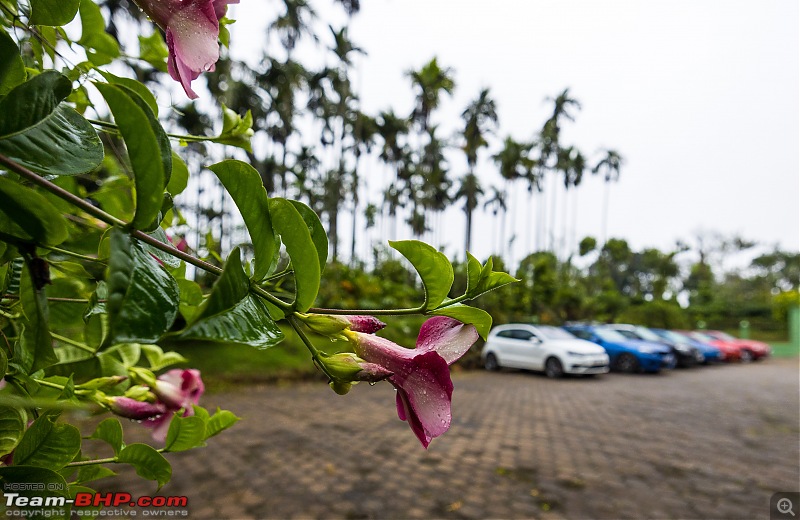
176, 389
192, 31
421, 375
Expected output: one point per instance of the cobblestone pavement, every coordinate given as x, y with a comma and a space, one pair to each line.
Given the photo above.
712, 442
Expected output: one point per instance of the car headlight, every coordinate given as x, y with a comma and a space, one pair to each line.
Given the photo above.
578, 354
682, 348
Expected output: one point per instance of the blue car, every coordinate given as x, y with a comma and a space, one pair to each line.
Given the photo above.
710, 352
626, 355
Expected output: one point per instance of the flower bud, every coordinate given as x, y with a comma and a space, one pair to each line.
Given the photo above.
140, 393
346, 367
142, 376
102, 383
133, 409
331, 324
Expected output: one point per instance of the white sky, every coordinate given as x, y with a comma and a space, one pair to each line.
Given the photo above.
700, 97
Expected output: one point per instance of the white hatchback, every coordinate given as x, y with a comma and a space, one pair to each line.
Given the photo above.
544, 348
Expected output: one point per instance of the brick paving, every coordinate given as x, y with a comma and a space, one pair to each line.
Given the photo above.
713, 442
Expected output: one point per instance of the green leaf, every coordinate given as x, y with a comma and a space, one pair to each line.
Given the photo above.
294, 232
245, 187
92, 473
48, 445
185, 433
148, 149
236, 130
52, 485
433, 267
31, 102
167, 259
489, 280
230, 314
180, 176
159, 359
101, 47
221, 420
12, 69
149, 463
64, 143
142, 297
28, 215
110, 431
139, 88
473, 273
469, 315
36, 345
318, 235
12, 427
53, 12
153, 50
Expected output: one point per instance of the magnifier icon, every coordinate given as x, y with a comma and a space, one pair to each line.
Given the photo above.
785, 506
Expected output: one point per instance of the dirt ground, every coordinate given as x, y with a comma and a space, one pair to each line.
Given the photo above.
711, 442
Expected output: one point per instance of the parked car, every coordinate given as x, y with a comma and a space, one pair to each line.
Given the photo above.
710, 352
542, 348
750, 350
687, 355
730, 351
626, 355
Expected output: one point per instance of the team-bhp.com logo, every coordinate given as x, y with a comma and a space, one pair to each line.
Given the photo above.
92, 501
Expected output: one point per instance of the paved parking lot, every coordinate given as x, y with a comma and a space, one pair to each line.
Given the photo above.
712, 442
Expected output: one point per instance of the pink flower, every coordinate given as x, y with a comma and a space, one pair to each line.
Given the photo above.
133, 409
330, 324
176, 389
421, 376
192, 31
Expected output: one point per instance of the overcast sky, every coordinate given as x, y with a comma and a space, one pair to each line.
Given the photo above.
700, 97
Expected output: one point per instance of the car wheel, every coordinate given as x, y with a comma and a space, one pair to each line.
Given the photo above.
491, 363
553, 368
627, 363
746, 356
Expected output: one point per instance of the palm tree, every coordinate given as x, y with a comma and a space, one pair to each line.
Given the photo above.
430, 184
364, 130
479, 117
571, 164
470, 190
549, 141
514, 164
293, 23
610, 166
429, 82
497, 202
394, 153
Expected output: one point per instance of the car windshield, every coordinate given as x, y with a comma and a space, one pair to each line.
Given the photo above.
647, 334
702, 337
554, 332
675, 337
609, 335
723, 336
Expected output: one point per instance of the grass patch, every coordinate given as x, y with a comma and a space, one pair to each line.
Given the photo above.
785, 350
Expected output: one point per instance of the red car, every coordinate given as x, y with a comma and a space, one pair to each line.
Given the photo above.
729, 351
750, 350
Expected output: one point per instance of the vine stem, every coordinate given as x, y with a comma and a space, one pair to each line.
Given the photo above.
76, 344
51, 299
109, 460
189, 137
114, 221
310, 346
373, 312
72, 253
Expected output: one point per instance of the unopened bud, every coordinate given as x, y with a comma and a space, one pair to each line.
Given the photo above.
330, 324
102, 383
133, 409
348, 367
140, 393
142, 376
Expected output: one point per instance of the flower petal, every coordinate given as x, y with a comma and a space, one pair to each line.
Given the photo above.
192, 35
450, 338
403, 411
426, 391
221, 6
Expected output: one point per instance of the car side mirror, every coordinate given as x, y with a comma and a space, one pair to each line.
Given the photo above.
535, 340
